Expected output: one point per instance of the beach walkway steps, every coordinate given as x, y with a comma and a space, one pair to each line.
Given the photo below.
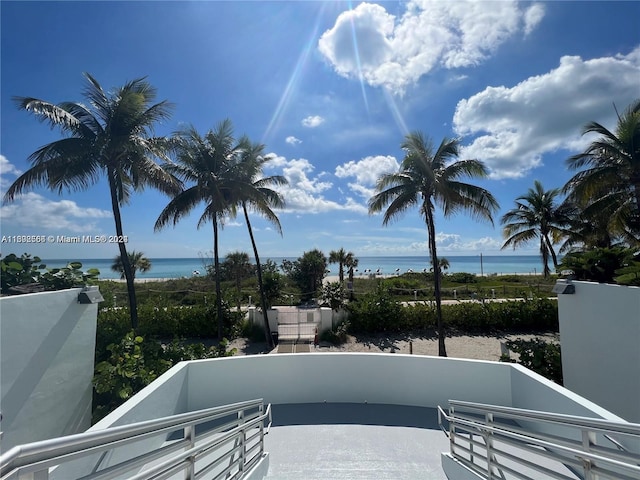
298, 326
292, 347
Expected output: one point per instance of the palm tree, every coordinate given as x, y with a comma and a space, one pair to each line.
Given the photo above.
427, 179
444, 263
536, 215
237, 266
262, 199
111, 137
137, 261
351, 262
209, 164
610, 181
343, 259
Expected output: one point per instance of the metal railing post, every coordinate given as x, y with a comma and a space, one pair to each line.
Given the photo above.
489, 445
588, 440
452, 431
190, 436
261, 412
243, 446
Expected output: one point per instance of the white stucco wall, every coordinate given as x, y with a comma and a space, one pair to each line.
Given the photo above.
600, 338
47, 344
347, 377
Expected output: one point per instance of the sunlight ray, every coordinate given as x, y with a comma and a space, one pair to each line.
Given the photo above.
294, 79
356, 53
395, 111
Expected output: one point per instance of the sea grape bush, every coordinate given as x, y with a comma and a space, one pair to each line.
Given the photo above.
24, 270
542, 357
134, 362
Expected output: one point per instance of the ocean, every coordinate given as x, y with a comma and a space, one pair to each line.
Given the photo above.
185, 267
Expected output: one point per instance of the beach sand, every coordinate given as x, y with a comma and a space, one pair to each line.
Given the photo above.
476, 347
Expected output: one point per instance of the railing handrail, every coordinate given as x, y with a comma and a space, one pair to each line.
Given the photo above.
111, 437
577, 453
183, 456
557, 418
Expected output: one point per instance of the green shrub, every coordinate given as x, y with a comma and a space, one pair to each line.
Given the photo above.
376, 312
131, 363
337, 336
542, 357
462, 277
24, 270
252, 331
379, 312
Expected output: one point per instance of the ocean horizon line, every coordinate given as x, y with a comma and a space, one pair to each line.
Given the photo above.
180, 267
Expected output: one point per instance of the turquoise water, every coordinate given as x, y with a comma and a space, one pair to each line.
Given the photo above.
184, 267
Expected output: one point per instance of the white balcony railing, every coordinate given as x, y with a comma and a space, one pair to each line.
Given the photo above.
505, 443
221, 442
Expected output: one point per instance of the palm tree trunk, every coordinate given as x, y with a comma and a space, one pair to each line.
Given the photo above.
263, 300
126, 265
554, 258
216, 266
544, 251
341, 273
431, 228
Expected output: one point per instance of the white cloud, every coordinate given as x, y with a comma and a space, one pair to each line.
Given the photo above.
6, 167
366, 172
291, 140
305, 192
396, 52
532, 17
369, 169
32, 210
516, 126
446, 243
312, 121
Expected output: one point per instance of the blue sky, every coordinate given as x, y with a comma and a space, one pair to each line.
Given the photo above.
330, 88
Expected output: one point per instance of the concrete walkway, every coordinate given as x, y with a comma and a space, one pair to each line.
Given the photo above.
354, 442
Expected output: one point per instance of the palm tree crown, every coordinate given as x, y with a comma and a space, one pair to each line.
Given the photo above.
430, 178
111, 137
137, 260
343, 259
610, 181
536, 215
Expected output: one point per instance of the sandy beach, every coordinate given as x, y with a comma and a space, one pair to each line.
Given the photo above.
476, 347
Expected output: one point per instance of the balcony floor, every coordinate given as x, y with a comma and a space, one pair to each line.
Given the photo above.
354, 441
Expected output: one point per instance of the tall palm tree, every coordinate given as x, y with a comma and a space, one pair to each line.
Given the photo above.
207, 165
137, 260
430, 178
262, 199
111, 137
536, 215
610, 181
343, 259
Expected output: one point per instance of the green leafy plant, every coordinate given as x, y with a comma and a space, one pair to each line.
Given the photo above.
21, 270
597, 265
333, 294
26, 270
537, 355
132, 363
338, 335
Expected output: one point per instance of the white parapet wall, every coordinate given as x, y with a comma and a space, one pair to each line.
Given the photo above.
600, 338
47, 348
375, 378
